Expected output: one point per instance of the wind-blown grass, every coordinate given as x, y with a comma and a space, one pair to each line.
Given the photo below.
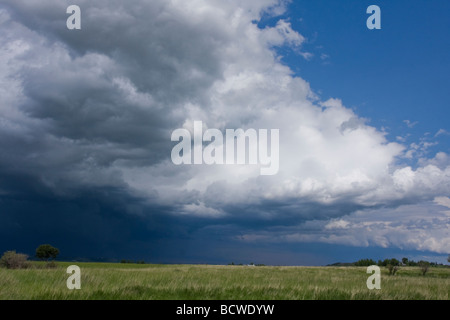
191, 282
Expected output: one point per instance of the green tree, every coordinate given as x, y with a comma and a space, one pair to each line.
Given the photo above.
384, 263
412, 263
394, 262
46, 252
405, 261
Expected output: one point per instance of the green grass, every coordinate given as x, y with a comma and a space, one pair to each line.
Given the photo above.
191, 282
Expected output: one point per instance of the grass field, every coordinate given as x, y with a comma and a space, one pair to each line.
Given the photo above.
192, 282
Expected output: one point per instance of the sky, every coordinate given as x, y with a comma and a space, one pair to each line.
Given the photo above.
86, 118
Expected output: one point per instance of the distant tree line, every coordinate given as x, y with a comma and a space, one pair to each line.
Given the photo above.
247, 264
395, 262
131, 261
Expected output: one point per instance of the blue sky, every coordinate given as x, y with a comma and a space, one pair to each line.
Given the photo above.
86, 118
398, 73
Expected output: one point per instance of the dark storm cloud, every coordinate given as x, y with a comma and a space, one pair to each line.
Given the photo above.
111, 100
159, 48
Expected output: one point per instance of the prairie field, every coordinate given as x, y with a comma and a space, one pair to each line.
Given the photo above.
114, 281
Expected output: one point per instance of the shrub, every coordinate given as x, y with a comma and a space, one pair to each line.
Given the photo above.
392, 269
13, 260
424, 265
51, 265
127, 261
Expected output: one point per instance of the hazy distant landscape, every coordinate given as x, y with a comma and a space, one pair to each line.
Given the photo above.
205, 282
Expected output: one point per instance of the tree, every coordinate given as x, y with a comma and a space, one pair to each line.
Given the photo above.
13, 260
448, 258
384, 263
412, 263
46, 252
365, 263
392, 269
394, 262
424, 265
393, 266
405, 261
